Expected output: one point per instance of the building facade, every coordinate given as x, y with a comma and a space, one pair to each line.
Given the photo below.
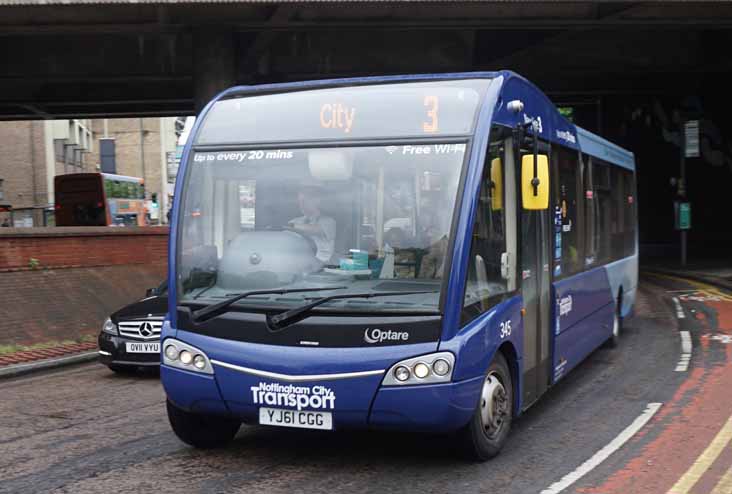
32, 153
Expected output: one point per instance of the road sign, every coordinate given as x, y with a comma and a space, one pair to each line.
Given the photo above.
683, 215
691, 139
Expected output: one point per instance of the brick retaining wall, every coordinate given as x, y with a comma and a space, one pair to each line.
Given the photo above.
76, 246
82, 275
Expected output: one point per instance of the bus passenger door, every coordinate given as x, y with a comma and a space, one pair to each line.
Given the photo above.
535, 278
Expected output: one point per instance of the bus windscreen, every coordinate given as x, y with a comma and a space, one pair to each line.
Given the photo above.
420, 109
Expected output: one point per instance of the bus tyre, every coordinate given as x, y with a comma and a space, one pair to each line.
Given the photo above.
484, 436
201, 431
614, 339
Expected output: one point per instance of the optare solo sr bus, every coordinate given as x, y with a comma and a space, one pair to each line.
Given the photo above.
426, 253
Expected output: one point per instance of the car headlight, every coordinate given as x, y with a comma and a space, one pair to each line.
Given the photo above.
433, 368
110, 327
184, 356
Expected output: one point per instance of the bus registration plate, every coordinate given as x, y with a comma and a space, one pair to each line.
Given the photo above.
296, 418
142, 347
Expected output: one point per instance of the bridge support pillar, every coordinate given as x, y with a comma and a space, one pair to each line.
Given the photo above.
214, 63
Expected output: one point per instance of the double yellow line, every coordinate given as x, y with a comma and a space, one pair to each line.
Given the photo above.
705, 460
723, 437
702, 287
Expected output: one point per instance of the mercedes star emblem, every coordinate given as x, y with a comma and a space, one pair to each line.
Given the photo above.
146, 329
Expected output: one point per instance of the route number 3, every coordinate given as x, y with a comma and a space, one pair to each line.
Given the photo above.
432, 104
505, 329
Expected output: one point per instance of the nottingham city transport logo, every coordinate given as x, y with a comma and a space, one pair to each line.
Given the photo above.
312, 397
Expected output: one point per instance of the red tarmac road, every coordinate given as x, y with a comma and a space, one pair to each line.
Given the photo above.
687, 448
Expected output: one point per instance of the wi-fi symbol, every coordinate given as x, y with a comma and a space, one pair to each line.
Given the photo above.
391, 149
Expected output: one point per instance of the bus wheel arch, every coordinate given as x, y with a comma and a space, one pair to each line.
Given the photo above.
487, 430
509, 353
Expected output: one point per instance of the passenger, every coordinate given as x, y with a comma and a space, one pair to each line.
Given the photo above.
321, 229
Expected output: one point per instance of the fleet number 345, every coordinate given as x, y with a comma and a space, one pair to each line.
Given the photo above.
505, 329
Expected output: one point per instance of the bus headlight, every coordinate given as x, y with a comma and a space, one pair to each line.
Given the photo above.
441, 367
184, 356
401, 373
199, 362
110, 327
421, 370
171, 352
433, 368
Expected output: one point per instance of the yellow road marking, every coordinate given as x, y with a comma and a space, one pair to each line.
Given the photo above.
699, 285
705, 460
725, 484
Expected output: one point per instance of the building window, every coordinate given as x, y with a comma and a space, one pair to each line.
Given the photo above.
107, 155
2, 191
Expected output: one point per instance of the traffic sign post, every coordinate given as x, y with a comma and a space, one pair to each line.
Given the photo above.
690, 149
691, 139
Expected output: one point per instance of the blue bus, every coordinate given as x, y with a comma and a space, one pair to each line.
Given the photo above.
423, 253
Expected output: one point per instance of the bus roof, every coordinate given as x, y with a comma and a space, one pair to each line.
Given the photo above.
598, 147
559, 129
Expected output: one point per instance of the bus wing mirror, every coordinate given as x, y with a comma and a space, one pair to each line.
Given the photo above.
535, 181
496, 184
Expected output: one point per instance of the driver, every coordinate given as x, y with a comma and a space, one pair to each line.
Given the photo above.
321, 229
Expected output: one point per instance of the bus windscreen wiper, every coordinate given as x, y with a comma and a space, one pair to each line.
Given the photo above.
279, 321
214, 310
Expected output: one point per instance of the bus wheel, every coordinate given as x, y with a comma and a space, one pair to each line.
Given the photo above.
488, 429
201, 431
614, 339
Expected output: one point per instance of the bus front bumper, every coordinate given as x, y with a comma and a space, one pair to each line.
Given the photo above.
360, 403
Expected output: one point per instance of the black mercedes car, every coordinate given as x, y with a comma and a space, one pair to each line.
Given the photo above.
130, 337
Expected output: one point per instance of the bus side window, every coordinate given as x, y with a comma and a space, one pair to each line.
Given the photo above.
491, 269
591, 238
566, 213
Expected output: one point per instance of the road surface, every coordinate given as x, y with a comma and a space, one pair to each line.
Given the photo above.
651, 416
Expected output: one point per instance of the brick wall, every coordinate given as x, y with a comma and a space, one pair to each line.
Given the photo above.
22, 163
65, 304
82, 276
82, 246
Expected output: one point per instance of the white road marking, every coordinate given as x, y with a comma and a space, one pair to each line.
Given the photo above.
605, 452
685, 342
722, 338
679, 309
686, 347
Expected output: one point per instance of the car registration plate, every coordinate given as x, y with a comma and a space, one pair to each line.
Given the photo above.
143, 347
304, 419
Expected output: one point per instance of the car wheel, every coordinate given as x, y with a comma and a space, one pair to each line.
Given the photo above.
201, 431
486, 433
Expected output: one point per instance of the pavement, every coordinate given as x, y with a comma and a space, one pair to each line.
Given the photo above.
48, 357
